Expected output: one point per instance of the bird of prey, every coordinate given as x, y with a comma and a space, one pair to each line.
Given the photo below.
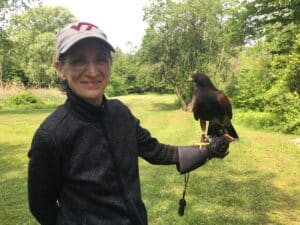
211, 104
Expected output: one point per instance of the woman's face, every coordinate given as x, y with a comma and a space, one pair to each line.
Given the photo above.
86, 67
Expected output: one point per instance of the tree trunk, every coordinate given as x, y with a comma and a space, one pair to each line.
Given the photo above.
180, 97
220, 60
191, 104
1, 74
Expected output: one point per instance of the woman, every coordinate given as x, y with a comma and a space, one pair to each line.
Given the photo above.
83, 166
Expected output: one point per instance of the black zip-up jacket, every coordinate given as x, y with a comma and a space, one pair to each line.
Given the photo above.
83, 166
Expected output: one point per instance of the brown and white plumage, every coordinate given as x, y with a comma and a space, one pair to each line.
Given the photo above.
212, 105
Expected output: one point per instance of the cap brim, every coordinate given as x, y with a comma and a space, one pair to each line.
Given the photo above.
81, 37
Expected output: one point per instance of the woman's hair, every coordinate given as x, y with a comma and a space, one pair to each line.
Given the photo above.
63, 84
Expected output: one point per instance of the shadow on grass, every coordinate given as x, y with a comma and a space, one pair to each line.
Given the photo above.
8, 161
13, 187
26, 111
245, 198
14, 202
164, 107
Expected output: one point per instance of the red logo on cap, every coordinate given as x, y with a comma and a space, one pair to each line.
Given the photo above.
79, 25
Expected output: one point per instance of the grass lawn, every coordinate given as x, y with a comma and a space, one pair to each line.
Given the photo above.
258, 183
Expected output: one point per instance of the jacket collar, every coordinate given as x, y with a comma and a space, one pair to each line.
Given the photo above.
83, 109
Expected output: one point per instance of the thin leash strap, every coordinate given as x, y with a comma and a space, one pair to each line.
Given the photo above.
182, 201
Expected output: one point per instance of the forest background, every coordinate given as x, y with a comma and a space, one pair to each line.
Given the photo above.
250, 49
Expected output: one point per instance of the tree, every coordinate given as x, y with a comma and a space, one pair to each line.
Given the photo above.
125, 69
40, 61
7, 8
276, 23
129, 75
182, 37
33, 36
254, 78
293, 67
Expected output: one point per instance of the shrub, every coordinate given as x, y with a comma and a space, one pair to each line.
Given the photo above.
292, 127
116, 87
268, 121
257, 119
23, 100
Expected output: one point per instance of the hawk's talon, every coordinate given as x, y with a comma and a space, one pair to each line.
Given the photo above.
204, 139
201, 144
229, 138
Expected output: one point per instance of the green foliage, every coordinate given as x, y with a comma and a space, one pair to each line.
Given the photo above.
129, 75
285, 105
277, 21
263, 85
9, 71
12, 73
116, 86
8, 7
254, 78
124, 72
184, 36
44, 98
270, 84
23, 100
40, 61
293, 125
292, 70
32, 35
151, 81
283, 98
260, 120
288, 123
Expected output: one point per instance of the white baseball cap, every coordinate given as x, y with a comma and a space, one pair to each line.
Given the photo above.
73, 33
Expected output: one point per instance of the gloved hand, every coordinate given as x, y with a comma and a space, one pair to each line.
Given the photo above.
219, 146
192, 157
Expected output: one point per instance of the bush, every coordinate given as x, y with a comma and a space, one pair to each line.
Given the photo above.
268, 121
255, 119
23, 100
116, 87
293, 127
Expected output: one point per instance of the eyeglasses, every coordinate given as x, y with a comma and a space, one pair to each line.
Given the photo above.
81, 63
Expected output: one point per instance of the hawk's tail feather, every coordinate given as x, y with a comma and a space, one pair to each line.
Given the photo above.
216, 130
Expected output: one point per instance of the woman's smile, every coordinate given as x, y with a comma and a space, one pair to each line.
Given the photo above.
87, 70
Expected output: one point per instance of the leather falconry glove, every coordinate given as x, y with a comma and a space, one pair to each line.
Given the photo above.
192, 157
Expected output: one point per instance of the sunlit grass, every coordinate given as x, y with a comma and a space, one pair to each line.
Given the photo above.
258, 183
16, 130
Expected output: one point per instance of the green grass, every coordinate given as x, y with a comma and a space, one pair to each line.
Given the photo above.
258, 183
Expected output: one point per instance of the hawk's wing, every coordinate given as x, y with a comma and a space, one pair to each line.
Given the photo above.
225, 104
